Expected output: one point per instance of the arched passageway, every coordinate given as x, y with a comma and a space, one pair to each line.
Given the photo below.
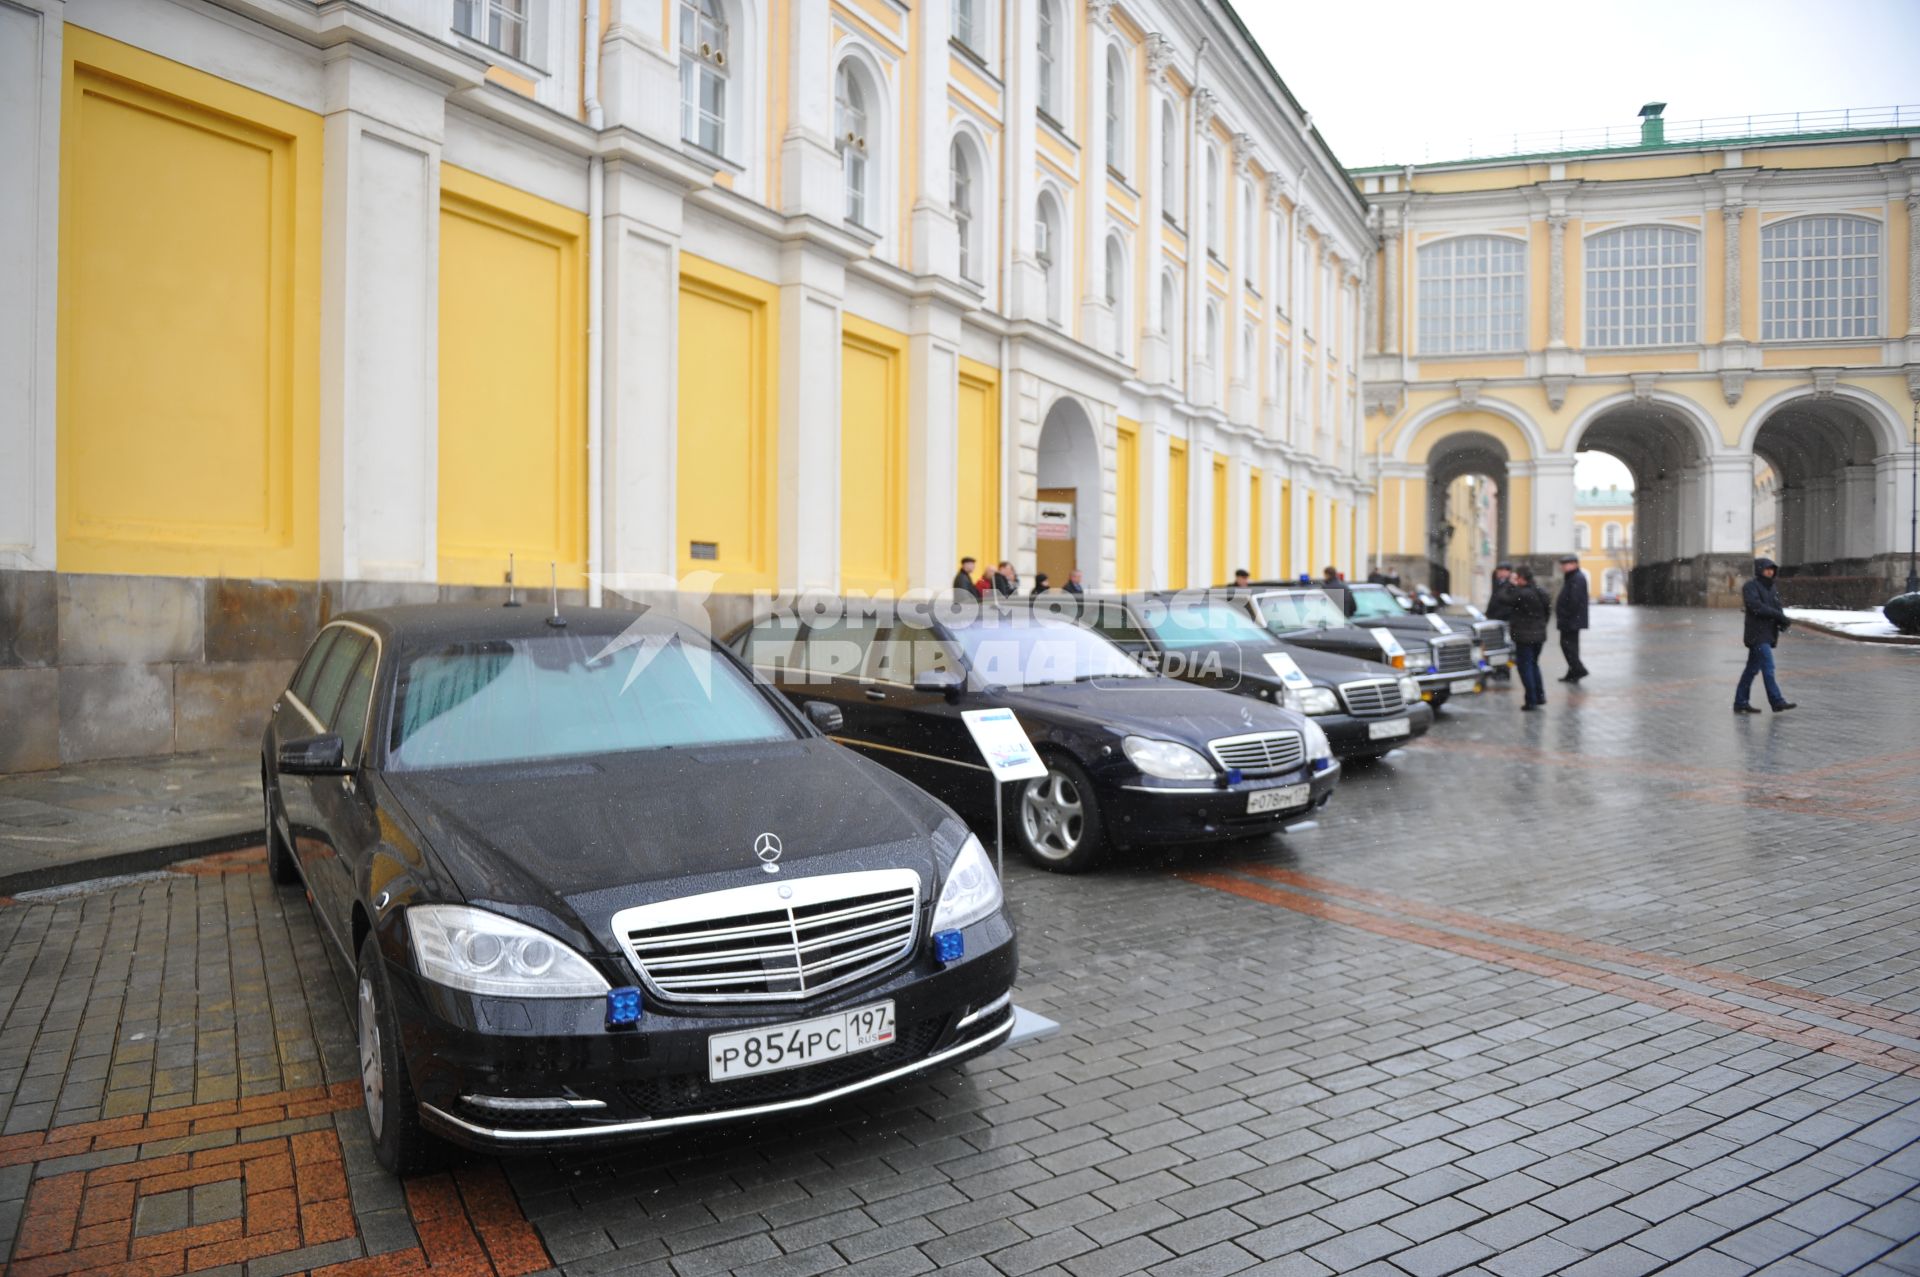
1666, 450
1068, 516
1821, 456
1468, 511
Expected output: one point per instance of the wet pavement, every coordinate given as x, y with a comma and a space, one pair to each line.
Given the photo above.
1625, 986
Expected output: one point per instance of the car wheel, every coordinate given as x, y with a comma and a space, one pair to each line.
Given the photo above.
280, 864
393, 1115
1056, 819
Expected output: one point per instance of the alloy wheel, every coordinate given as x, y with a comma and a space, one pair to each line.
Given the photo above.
1053, 815
373, 1078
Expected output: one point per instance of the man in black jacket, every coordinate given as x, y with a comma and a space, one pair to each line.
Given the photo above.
1570, 614
963, 581
1528, 608
1766, 622
1499, 607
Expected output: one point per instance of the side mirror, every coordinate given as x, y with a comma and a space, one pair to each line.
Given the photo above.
937, 683
827, 718
322, 755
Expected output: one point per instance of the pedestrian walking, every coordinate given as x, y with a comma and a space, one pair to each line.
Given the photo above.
963, 582
1766, 621
1528, 609
1570, 615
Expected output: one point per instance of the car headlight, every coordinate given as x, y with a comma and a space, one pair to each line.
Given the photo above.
1319, 748
1410, 690
1166, 759
972, 889
1418, 656
1319, 700
483, 952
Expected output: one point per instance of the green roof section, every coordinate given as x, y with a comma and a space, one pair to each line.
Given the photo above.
1612, 497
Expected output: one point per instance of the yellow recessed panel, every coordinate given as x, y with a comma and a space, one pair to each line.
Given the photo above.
1177, 514
977, 465
1126, 478
873, 452
189, 321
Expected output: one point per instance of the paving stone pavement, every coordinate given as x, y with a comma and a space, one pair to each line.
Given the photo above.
1622, 987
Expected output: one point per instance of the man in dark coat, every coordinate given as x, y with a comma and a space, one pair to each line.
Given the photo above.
1499, 604
963, 583
1766, 622
1528, 608
1570, 614
1076, 583
1005, 579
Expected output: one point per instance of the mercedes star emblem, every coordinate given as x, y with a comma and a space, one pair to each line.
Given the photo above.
767, 848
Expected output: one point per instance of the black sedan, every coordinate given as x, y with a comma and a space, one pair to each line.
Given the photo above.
1131, 758
1366, 707
592, 880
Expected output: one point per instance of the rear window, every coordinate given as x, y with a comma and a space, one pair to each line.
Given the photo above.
1373, 604
562, 695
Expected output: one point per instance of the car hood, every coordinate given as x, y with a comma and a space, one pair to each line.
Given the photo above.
1160, 707
1347, 640
571, 841
1333, 667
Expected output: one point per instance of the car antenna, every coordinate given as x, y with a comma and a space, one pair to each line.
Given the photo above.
511, 601
557, 621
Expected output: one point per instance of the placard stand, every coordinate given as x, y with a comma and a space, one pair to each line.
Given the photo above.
1010, 756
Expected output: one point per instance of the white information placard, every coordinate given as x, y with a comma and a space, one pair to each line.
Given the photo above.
1388, 643
1288, 669
1002, 742
1440, 625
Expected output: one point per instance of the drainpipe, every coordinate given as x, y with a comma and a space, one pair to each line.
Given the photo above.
596, 236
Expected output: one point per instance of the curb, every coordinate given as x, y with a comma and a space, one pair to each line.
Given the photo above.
143, 860
1889, 640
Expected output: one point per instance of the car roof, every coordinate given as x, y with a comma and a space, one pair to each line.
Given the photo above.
416, 625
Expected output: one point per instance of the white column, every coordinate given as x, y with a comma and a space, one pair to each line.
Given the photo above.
1153, 457
1893, 478
30, 99
379, 323
933, 440
1820, 506
1856, 511
1156, 348
1790, 524
1298, 284
1096, 317
639, 71
1730, 222
641, 374
1240, 402
812, 284
1552, 505
1729, 506
1201, 378
810, 181
1390, 289
936, 244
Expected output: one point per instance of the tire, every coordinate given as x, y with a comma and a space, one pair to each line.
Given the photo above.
393, 1114
1055, 819
281, 866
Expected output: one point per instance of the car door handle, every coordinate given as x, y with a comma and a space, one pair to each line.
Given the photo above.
875, 694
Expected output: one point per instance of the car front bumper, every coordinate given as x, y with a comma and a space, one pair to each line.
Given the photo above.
468, 1056
1352, 736
1144, 812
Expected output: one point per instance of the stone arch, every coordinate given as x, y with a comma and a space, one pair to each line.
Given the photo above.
1660, 402
1534, 444
1826, 448
1468, 449
1069, 457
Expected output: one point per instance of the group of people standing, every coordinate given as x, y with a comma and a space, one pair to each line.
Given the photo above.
1004, 581
1519, 600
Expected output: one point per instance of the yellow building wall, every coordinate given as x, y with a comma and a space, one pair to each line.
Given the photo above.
1177, 544
1254, 520
1313, 535
873, 457
1126, 478
513, 435
724, 487
189, 321
1220, 569
1285, 568
977, 464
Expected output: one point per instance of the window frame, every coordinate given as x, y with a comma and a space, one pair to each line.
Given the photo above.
703, 65
475, 19
1667, 323
1436, 298
851, 116
1115, 254
1048, 90
1119, 114
1170, 170
1050, 247
1216, 223
1825, 289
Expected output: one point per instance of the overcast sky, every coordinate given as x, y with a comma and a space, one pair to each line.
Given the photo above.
1388, 80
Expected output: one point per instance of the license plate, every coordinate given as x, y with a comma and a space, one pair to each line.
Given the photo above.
1281, 799
1465, 684
792, 1046
1389, 729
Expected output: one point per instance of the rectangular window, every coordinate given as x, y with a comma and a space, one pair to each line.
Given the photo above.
1820, 278
1472, 295
498, 24
1643, 287
963, 24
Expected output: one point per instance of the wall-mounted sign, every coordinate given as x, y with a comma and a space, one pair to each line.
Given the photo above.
1054, 521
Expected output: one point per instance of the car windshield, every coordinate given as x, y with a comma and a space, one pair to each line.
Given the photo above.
1310, 610
1183, 623
1373, 604
1033, 651
561, 695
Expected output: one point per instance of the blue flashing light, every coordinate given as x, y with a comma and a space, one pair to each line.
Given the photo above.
623, 1007
1234, 776
1433, 669
949, 946
1321, 764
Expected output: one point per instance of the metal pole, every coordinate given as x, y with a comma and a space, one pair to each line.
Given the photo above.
999, 838
1913, 518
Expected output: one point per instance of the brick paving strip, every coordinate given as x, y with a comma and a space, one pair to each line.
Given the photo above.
1778, 1025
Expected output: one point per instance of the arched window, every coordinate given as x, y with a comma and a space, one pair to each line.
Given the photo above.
1279, 259
1049, 88
1245, 372
1610, 536
1047, 250
1169, 163
1116, 112
850, 139
1643, 286
1582, 536
1213, 335
960, 167
1169, 306
703, 74
1472, 295
1117, 292
1215, 235
1819, 277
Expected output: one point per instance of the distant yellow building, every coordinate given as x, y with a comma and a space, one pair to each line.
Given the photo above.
1603, 538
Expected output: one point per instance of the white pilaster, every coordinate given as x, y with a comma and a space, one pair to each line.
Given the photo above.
933, 440
1096, 316
30, 97
810, 180
936, 244
379, 333
1855, 522
1894, 478
1552, 505
812, 284
1729, 504
639, 73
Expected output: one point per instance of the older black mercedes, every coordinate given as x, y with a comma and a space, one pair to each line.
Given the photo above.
592, 881
1131, 758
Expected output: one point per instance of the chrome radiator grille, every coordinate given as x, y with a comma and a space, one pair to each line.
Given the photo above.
755, 944
1453, 658
1262, 754
1374, 697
